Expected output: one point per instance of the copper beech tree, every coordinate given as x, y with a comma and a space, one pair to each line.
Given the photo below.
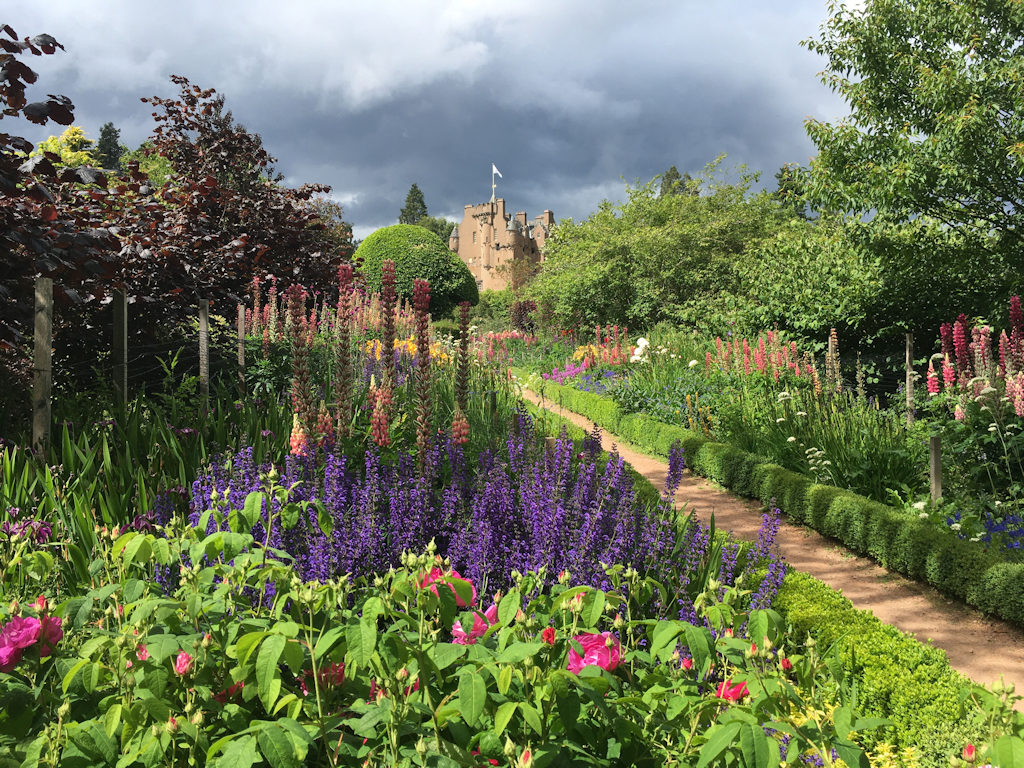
219, 219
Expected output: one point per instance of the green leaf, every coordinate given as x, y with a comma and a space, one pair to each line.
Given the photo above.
509, 606
472, 696
854, 756
252, 509
362, 640
463, 589
111, 720
593, 608
446, 654
1008, 752
722, 737
531, 716
268, 674
503, 715
504, 679
240, 753
757, 627
698, 640
516, 653
277, 747
663, 639
327, 641
758, 750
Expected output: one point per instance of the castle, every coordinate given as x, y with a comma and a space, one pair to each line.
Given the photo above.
492, 243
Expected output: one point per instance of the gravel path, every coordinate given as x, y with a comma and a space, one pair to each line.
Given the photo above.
979, 647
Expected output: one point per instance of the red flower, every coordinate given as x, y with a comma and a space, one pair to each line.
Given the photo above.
732, 692
970, 753
786, 664
687, 663
548, 635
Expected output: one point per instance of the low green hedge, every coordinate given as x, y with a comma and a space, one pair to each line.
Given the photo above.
893, 537
897, 677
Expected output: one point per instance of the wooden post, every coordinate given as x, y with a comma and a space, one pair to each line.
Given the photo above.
120, 349
910, 379
241, 347
935, 466
204, 352
42, 383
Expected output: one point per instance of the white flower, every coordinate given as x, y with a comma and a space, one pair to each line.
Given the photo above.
923, 515
919, 505
801, 413
975, 538
673, 356
784, 396
693, 363
790, 439
779, 420
992, 428
955, 526
642, 342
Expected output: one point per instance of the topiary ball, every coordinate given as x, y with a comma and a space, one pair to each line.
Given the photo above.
418, 254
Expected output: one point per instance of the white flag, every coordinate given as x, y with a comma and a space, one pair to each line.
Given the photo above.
494, 169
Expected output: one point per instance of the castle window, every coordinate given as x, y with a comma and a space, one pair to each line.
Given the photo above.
474, 238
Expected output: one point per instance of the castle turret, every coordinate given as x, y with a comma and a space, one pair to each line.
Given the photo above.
453, 239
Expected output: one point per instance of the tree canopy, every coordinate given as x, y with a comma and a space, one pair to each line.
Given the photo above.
418, 253
109, 147
415, 207
937, 115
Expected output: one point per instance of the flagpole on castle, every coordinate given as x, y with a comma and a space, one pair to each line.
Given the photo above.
494, 185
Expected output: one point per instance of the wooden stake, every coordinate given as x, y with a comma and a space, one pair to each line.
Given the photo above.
910, 379
42, 384
935, 466
120, 347
204, 352
241, 346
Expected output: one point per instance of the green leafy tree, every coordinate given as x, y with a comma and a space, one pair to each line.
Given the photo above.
73, 148
670, 181
109, 147
415, 207
790, 190
439, 225
656, 257
937, 116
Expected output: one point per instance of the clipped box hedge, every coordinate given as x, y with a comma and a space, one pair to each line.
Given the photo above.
895, 538
897, 677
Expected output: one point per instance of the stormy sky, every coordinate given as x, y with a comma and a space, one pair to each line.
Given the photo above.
569, 99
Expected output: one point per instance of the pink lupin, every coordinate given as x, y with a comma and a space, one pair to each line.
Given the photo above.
933, 379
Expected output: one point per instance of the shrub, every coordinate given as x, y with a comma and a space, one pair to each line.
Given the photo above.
418, 253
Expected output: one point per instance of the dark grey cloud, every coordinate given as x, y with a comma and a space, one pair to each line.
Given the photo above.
569, 100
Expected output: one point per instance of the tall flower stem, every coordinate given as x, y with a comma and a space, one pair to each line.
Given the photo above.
302, 389
462, 369
421, 305
343, 351
388, 298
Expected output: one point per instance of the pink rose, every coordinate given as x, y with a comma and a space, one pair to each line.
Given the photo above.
480, 627
596, 650
141, 653
436, 574
9, 657
50, 633
183, 663
22, 632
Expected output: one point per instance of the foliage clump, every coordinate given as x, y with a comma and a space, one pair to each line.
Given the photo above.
418, 254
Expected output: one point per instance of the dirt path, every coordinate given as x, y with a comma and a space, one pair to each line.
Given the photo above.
979, 647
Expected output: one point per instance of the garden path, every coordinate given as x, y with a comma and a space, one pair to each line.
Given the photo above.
979, 647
